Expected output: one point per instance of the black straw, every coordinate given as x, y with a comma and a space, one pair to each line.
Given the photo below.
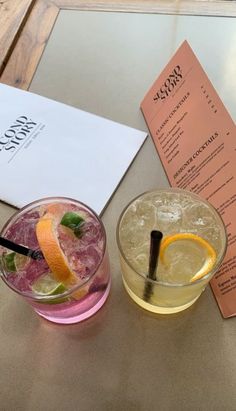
155, 242
20, 249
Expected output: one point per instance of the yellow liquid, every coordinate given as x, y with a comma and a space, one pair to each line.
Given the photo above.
155, 308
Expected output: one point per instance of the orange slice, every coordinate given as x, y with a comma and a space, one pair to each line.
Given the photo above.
53, 254
77, 295
210, 252
55, 208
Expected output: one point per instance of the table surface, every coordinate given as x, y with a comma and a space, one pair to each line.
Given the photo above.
123, 358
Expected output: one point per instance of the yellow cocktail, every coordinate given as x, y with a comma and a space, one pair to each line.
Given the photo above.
192, 248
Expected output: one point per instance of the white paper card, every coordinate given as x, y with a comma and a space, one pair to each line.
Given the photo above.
51, 149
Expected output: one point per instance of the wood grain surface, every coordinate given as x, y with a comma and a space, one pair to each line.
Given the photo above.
27, 31
31, 43
193, 7
13, 15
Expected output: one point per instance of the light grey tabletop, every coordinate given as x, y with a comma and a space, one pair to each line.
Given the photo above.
123, 358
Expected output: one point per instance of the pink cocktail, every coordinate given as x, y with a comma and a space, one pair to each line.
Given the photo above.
81, 237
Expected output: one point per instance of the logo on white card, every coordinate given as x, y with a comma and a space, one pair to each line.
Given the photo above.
169, 85
12, 138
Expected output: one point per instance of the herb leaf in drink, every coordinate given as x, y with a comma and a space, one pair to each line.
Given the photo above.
73, 221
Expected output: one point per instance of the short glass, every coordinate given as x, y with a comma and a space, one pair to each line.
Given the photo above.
85, 252
173, 212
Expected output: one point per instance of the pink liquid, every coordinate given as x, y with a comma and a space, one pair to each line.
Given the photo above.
87, 256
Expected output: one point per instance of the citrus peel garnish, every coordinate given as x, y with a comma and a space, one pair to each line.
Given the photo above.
211, 254
53, 254
80, 293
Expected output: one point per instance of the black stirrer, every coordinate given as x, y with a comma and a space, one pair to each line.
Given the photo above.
155, 242
20, 249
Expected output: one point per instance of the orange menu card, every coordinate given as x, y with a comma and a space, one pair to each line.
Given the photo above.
196, 141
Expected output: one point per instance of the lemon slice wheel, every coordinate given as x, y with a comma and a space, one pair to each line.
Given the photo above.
210, 252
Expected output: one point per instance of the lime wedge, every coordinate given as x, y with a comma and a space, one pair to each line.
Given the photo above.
73, 221
47, 285
14, 262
